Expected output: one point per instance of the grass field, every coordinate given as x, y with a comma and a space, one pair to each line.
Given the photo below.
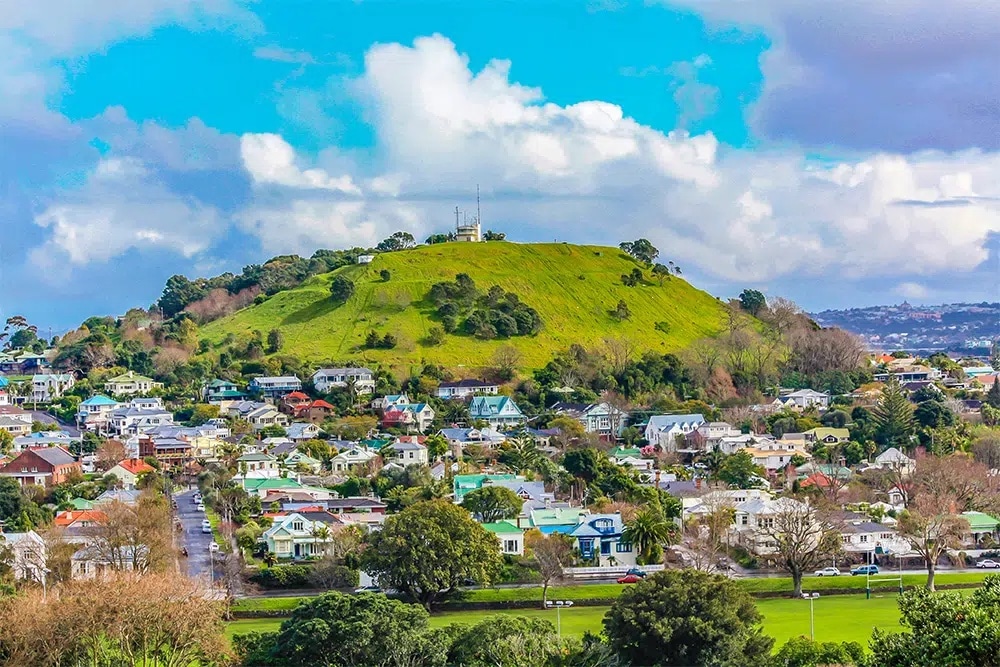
572, 287
837, 618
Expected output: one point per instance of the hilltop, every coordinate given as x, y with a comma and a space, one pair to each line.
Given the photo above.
572, 287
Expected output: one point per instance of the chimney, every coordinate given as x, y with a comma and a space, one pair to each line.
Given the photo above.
697, 483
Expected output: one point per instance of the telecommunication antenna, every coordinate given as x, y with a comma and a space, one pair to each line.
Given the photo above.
479, 212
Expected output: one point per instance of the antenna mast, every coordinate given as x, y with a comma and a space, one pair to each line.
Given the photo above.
479, 212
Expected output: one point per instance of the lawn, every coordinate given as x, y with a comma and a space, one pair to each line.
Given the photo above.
837, 618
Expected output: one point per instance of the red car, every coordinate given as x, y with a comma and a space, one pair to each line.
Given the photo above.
630, 579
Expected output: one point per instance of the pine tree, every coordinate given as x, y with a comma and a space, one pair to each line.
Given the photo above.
893, 416
993, 395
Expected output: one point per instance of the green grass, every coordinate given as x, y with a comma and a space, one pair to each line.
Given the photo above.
214, 520
572, 287
838, 618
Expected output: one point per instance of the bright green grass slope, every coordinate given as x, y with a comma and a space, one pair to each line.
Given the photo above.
572, 287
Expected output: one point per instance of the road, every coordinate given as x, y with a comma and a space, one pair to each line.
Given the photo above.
199, 561
46, 418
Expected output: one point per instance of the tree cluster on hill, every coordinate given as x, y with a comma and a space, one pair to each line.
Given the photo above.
493, 314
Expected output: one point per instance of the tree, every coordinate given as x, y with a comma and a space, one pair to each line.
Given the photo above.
621, 311
505, 361
550, 554
337, 630
491, 235
943, 629
804, 652
893, 416
803, 538
661, 272
109, 454
993, 396
739, 471
398, 241
583, 463
752, 301
648, 531
136, 537
493, 503
385, 275
429, 549
437, 446
686, 617
275, 340
702, 540
931, 526
641, 249
341, 289
508, 640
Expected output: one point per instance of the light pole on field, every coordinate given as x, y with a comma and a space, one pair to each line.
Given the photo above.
558, 606
812, 618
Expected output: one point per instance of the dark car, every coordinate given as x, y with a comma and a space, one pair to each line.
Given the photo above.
637, 572
864, 569
629, 579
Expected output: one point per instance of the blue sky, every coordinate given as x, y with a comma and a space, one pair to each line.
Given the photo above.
834, 156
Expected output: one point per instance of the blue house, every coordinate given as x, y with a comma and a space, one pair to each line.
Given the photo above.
275, 387
599, 537
497, 411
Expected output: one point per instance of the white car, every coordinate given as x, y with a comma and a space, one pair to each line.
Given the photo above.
201, 507
991, 564
213, 547
828, 572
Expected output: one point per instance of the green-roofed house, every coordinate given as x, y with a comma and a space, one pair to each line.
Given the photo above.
131, 383
262, 486
828, 436
980, 526
554, 519
217, 391
464, 484
511, 537
619, 454
81, 504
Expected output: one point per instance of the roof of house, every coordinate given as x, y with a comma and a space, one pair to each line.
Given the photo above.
557, 516
124, 496
135, 466
81, 504
980, 522
407, 447
343, 371
587, 527
491, 405
290, 379
69, 518
822, 432
55, 456
99, 399
502, 528
865, 527
296, 396
468, 383
128, 377
664, 422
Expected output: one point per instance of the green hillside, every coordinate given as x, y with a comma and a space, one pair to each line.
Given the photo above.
572, 287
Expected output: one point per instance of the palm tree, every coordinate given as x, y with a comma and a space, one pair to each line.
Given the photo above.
647, 531
320, 532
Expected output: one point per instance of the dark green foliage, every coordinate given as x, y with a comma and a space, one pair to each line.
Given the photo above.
507, 640
495, 314
641, 249
621, 311
385, 275
663, 327
375, 342
336, 630
493, 503
834, 419
687, 617
933, 414
435, 336
491, 235
892, 416
804, 652
341, 289
275, 340
752, 301
440, 238
282, 576
739, 471
632, 279
398, 241
993, 396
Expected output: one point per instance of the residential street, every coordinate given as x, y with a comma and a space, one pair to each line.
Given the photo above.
199, 557
46, 418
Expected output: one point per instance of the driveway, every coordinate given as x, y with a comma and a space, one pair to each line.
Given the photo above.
199, 561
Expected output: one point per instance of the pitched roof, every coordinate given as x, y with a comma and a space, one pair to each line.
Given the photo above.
664, 422
135, 466
129, 377
502, 528
55, 456
979, 522
469, 383
69, 518
99, 399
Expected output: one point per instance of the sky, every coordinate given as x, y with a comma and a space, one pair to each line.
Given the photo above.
837, 154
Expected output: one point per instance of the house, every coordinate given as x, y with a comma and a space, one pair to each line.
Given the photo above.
46, 466
16, 426
716, 499
46, 439
776, 454
982, 527
24, 363
411, 416
93, 413
168, 450
46, 387
80, 519
914, 373
347, 459
273, 387
497, 411
295, 460
295, 536
384, 402
603, 419
869, 537
291, 402
460, 437
599, 537
365, 259
131, 383
709, 435
138, 417
4, 391
663, 430
462, 389
299, 431
128, 471
218, 390
316, 412
128, 497
258, 466
265, 415
896, 460
802, 399
27, 554
511, 537
407, 453
754, 518
828, 436
91, 562
362, 380
549, 520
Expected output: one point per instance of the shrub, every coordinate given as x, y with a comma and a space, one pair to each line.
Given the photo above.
283, 576
385, 275
341, 289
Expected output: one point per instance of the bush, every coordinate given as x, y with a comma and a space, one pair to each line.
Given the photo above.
327, 574
385, 275
283, 576
341, 289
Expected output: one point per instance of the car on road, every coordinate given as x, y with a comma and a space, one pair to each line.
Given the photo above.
637, 572
864, 569
196, 498
368, 589
213, 547
206, 526
827, 572
629, 579
988, 564
201, 507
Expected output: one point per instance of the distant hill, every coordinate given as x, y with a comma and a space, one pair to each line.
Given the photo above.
572, 287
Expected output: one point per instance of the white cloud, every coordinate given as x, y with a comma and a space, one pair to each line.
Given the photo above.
588, 172
283, 55
911, 290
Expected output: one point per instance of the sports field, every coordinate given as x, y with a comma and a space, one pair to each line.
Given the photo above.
837, 618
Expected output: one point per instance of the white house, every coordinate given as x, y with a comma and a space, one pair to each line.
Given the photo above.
802, 399
868, 536
755, 518
28, 554
275, 386
409, 453
258, 466
776, 454
510, 536
362, 379
295, 536
895, 459
462, 389
93, 413
497, 411
129, 470
50, 386
663, 430
265, 415
345, 460
130, 383
603, 419
411, 416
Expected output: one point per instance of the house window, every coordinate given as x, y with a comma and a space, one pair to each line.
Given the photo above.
745, 520
885, 536
605, 548
623, 548
297, 525
510, 546
766, 522
846, 539
864, 538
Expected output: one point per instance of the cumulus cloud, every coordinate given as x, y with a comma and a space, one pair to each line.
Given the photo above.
588, 172
900, 76
911, 290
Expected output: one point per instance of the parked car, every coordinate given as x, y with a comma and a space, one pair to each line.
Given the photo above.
213, 547
201, 507
629, 579
368, 589
990, 564
637, 572
206, 526
196, 498
828, 572
864, 569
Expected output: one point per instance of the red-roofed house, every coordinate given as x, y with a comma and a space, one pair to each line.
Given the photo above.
316, 411
293, 401
129, 470
80, 518
45, 466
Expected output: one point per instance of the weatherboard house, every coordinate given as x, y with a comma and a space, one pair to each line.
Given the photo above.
497, 411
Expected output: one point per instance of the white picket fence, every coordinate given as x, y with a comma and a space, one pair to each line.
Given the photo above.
610, 572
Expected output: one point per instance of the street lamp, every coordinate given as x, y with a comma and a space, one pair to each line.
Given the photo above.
812, 618
558, 605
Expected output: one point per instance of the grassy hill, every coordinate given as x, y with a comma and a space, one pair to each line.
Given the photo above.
572, 287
